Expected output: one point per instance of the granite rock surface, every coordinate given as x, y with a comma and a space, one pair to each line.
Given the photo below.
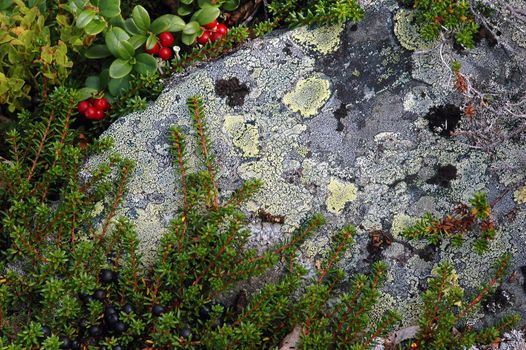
333, 120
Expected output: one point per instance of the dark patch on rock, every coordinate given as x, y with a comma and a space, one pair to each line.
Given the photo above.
497, 302
443, 119
379, 240
523, 271
485, 33
233, 90
408, 4
340, 114
428, 253
443, 176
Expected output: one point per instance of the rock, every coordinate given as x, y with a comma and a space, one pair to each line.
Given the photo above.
333, 120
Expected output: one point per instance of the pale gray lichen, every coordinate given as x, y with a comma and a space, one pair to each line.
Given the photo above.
520, 195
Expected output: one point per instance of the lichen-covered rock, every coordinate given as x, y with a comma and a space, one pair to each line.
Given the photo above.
334, 121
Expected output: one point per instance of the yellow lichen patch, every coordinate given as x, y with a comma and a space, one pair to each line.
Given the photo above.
323, 40
400, 222
408, 33
520, 195
244, 136
340, 194
308, 96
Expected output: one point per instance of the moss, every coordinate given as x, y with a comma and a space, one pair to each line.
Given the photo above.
324, 40
308, 96
408, 34
340, 194
244, 135
520, 195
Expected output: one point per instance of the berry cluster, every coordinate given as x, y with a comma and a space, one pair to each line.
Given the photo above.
163, 47
213, 31
94, 108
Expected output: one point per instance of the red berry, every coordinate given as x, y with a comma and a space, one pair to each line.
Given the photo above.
82, 106
216, 36
166, 39
222, 29
101, 104
204, 38
91, 112
211, 25
98, 114
165, 53
154, 50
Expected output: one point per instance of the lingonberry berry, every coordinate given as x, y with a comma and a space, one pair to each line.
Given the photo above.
216, 36
166, 39
83, 106
102, 104
91, 112
154, 50
165, 53
221, 29
204, 38
98, 114
211, 25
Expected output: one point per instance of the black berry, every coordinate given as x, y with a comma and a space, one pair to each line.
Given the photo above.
109, 310
46, 331
127, 308
186, 333
106, 276
120, 327
112, 319
118, 347
75, 345
65, 342
99, 294
157, 310
95, 331
204, 313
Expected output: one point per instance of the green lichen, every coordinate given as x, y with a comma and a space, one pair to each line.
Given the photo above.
399, 223
308, 96
324, 40
244, 136
340, 194
520, 195
408, 33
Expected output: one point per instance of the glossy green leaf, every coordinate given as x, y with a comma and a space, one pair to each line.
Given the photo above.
118, 86
184, 10
137, 41
117, 21
5, 4
97, 51
113, 39
191, 28
125, 50
141, 17
145, 64
188, 39
230, 5
86, 93
204, 3
120, 68
186, 2
206, 15
93, 82
85, 17
110, 8
151, 41
167, 23
132, 28
104, 78
95, 26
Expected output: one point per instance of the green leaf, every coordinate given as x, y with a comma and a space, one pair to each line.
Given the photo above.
167, 23
204, 3
120, 68
5, 4
151, 41
97, 51
184, 10
186, 2
125, 50
114, 37
104, 78
118, 86
132, 28
188, 39
95, 26
137, 41
93, 82
110, 8
146, 64
191, 28
230, 5
117, 21
206, 15
86, 93
141, 17
85, 17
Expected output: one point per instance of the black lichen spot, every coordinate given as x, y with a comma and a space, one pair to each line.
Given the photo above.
340, 114
485, 33
444, 119
428, 253
443, 176
233, 90
498, 301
